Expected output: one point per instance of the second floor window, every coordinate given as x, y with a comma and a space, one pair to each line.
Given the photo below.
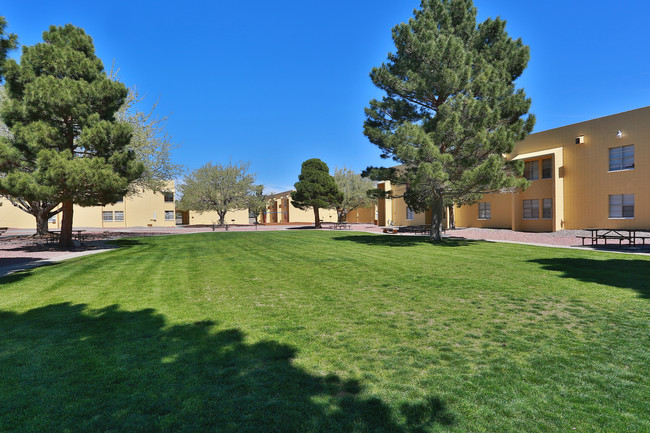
531, 170
621, 158
547, 171
169, 197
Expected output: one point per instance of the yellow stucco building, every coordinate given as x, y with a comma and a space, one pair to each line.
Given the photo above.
141, 209
280, 210
593, 174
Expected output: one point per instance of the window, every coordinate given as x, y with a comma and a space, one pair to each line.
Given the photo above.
531, 170
621, 158
119, 215
531, 209
107, 215
409, 213
119, 200
484, 212
621, 206
169, 197
170, 215
547, 208
52, 220
547, 171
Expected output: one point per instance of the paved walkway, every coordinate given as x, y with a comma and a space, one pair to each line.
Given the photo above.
18, 250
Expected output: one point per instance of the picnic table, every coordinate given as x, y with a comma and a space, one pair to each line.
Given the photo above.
620, 235
54, 236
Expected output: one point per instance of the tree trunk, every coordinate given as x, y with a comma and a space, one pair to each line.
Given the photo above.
452, 217
436, 220
317, 218
222, 216
65, 241
42, 227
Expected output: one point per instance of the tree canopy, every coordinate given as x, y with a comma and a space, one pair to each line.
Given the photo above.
219, 187
315, 188
451, 110
65, 145
8, 42
151, 143
354, 189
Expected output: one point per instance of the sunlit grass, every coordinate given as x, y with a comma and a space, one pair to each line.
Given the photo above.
318, 331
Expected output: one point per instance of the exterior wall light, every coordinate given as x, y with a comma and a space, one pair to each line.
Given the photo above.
580, 139
619, 134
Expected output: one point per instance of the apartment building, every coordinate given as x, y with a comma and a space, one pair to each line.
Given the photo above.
141, 209
592, 174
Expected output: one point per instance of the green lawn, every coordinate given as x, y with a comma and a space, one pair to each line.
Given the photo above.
316, 331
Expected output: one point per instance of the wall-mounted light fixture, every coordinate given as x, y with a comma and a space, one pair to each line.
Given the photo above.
580, 139
619, 134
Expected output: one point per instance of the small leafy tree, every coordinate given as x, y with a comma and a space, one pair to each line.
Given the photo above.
451, 111
219, 187
257, 202
315, 188
151, 144
354, 189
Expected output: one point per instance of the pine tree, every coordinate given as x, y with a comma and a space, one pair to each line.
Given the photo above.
451, 110
65, 146
315, 188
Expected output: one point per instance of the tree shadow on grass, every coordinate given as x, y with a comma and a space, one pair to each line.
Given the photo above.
626, 274
67, 368
403, 240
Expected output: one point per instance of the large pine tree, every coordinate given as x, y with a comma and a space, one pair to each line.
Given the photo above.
451, 110
315, 189
65, 145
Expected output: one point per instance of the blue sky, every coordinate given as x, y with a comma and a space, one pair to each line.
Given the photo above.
276, 83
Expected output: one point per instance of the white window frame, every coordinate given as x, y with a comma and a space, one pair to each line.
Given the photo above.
484, 210
115, 216
105, 214
545, 202
620, 205
618, 157
172, 213
410, 215
533, 206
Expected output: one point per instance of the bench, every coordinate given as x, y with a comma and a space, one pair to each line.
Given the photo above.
341, 226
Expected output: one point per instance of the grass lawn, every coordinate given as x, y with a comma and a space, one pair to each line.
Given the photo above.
316, 331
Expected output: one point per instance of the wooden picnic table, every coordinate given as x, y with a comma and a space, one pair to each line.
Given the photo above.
620, 235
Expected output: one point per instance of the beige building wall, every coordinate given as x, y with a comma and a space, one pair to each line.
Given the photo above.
580, 184
239, 216
393, 211
281, 210
588, 182
145, 208
500, 213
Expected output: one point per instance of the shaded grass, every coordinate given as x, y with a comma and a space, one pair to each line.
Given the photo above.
316, 331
